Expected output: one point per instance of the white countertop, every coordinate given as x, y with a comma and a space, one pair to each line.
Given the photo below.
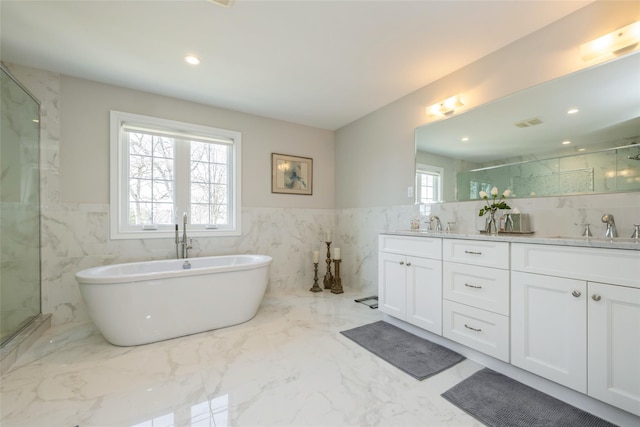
592, 242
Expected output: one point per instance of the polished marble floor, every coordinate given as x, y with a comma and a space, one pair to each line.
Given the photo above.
288, 366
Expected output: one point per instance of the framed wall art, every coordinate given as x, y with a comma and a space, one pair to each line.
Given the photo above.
291, 174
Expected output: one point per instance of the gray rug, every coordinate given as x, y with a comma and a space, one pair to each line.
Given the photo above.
499, 401
415, 356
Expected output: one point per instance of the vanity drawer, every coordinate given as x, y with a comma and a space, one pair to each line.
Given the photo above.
481, 330
477, 252
481, 287
614, 266
425, 247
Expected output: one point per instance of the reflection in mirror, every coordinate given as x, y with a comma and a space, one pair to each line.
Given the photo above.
606, 171
573, 135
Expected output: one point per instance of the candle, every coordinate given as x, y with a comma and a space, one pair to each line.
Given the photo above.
327, 236
316, 257
336, 253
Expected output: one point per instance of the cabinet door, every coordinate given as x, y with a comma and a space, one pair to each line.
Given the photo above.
549, 328
424, 293
392, 289
614, 345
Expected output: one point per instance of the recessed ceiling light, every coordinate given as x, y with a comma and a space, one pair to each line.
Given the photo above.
567, 142
465, 139
191, 59
582, 149
572, 111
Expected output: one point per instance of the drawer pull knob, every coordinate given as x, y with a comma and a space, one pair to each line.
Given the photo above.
401, 262
473, 252
473, 329
596, 297
408, 264
576, 293
472, 286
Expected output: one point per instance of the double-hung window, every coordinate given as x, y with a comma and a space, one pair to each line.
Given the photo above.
162, 170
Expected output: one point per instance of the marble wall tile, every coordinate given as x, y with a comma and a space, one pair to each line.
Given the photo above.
77, 238
358, 238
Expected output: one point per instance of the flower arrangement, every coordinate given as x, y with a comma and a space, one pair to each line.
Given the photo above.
495, 204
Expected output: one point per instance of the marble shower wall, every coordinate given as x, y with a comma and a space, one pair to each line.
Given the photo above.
20, 243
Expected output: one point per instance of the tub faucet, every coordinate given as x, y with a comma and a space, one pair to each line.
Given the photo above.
611, 226
184, 243
438, 223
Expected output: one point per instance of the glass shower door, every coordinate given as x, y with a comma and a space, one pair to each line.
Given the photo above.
19, 208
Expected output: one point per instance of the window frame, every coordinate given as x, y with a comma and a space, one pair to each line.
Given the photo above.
422, 168
119, 178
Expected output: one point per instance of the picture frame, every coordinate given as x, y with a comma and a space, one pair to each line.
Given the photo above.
291, 174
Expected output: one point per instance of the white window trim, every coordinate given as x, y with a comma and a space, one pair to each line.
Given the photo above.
421, 167
118, 161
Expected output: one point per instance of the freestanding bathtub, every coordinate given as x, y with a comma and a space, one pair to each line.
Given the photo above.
144, 302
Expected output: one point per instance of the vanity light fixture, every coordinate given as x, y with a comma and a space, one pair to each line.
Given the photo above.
446, 107
192, 59
615, 43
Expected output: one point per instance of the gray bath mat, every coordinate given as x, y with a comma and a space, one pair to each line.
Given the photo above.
499, 401
415, 356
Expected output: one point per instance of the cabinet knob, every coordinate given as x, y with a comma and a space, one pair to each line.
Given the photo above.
401, 262
408, 264
576, 293
596, 297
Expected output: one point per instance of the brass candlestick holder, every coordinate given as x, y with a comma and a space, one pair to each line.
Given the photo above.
315, 287
337, 283
328, 277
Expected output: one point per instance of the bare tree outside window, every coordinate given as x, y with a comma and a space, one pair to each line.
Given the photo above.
151, 179
209, 183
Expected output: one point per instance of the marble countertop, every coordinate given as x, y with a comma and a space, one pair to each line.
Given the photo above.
592, 242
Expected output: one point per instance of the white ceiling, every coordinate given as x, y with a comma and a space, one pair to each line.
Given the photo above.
318, 63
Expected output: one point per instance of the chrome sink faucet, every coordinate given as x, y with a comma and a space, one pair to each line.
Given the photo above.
611, 226
438, 223
184, 243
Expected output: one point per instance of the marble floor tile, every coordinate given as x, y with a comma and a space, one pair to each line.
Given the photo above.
288, 366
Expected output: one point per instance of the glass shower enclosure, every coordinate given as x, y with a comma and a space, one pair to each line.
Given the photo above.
19, 208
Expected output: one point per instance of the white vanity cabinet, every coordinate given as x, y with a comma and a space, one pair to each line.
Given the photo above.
410, 280
549, 328
475, 286
570, 327
614, 345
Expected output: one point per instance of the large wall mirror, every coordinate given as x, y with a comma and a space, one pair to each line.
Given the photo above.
578, 134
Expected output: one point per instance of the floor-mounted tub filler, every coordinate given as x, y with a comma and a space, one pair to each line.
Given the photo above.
144, 302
